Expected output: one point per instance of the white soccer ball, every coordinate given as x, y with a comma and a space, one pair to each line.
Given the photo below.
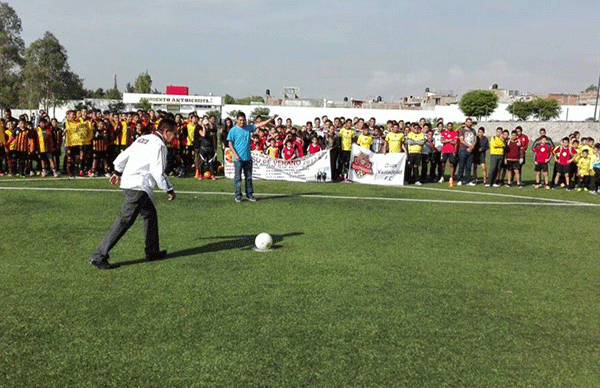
263, 241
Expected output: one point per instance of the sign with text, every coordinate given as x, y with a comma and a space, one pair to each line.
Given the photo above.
376, 169
307, 169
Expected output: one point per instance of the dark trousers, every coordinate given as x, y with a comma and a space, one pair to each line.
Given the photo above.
334, 154
495, 169
465, 161
136, 202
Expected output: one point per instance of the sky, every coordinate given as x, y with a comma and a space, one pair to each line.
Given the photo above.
328, 49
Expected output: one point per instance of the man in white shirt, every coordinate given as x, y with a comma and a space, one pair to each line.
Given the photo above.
139, 168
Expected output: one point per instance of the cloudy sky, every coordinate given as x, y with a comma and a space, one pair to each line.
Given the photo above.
329, 49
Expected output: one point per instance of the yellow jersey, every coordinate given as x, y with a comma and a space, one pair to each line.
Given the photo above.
496, 145
346, 137
584, 166
395, 141
417, 137
365, 141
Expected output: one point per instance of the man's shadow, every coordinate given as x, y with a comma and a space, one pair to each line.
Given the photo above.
229, 242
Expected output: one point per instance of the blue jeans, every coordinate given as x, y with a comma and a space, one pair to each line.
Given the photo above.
246, 167
465, 161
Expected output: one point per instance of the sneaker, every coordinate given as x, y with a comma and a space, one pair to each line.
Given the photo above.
214, 178
506, 185
31, 173
520, 184
585, 189
488, 185
579, 190
90, 173
537, 186
451, 184
495, 185
251, 198
81, 173
238, 199
547, 187
56, 174
471, 184
44, 174
459, 183
157, 256
103, 264
418, 183
441, 180
347, 180
593, 193
568, 189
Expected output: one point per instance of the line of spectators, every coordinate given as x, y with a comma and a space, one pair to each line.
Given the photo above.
92, 139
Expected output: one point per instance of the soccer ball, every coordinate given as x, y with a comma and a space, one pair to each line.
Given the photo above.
207, 175
263, 241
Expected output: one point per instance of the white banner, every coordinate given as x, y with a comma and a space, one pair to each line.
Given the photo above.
376, 169
306, 169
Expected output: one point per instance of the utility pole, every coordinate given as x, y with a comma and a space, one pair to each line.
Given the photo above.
597, 95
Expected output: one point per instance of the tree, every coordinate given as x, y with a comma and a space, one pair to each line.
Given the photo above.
545, 109
262, 112
11, 56
249, 99
590, 89
233, 114
522, 109
228, 100
144, 104
143, 83
478, 103
46, 73
129, 88
116, 106
214, 113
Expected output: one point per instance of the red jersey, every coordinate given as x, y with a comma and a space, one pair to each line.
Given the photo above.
449, 148
564, 154
542, 152
513, 150
298, 144
289, 153
314, 148
524, 141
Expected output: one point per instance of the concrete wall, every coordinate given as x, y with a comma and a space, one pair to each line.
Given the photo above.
555, 129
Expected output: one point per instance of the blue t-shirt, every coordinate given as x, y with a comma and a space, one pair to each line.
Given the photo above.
240, 137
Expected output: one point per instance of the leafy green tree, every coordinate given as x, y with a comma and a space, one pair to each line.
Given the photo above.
116, 106
233, 114
591, 88
214, 113
143, 83
228, 100
250, 99
143, 104
11, 56
262, 112
129, 88
545, 109
522, 109
478, 103
45, 72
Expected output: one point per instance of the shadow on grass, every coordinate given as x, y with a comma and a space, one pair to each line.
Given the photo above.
227, 243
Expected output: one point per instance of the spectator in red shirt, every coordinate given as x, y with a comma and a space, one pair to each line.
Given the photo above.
514, 157
564, 155
543, 154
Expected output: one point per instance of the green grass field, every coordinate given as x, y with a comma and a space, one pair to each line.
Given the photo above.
367, 287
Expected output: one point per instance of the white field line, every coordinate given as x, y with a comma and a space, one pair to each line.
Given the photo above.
321, 196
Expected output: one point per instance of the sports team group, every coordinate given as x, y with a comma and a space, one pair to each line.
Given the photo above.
87, 142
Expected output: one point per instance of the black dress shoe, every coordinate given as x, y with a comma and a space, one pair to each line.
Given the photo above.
157, 256
103, 264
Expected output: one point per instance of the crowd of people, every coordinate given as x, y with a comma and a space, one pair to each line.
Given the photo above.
92, 139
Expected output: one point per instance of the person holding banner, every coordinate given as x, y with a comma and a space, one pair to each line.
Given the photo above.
239, 143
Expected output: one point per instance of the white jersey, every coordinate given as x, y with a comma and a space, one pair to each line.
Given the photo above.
142, 165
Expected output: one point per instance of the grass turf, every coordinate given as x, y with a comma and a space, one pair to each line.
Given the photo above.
358, 292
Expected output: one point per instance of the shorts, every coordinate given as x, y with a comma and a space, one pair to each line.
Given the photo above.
99, 154
479, 158
563, 168
452, 157
14, 155
45, 156
73, 151
414, 159
541, 167
512, 165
